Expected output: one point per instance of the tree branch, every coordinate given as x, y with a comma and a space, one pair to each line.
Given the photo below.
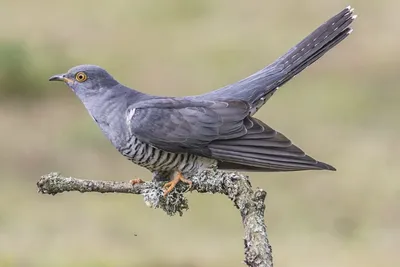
236, 186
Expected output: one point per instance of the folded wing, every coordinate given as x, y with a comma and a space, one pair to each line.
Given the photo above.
222, 130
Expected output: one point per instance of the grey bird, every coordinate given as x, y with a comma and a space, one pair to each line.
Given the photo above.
175, 137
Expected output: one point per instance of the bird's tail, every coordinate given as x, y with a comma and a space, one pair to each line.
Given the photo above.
314, 46
257, 88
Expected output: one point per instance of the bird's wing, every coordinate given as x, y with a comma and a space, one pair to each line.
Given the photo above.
222, 130
262, 149
183, 125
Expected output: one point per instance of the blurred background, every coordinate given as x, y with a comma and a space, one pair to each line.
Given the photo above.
343, 110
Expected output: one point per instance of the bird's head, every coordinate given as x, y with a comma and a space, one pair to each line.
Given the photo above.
87, 80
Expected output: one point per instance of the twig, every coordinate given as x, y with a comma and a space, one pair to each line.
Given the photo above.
236, 186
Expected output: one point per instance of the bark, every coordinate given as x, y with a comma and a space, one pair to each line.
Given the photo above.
236, 186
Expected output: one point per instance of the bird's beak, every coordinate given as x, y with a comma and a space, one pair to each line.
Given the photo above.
60, 77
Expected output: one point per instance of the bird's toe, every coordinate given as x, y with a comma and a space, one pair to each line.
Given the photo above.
136, 181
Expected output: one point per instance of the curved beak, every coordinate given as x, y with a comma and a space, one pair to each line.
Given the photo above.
60, 78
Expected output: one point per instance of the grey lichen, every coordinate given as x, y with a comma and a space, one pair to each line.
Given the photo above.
236, 186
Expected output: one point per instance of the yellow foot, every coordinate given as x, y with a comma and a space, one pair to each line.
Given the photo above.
171, 185
136, 181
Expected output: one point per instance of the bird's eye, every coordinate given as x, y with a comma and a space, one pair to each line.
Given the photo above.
81, 77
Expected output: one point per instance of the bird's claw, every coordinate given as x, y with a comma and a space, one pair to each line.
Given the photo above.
190, 187
171, 185
136, 181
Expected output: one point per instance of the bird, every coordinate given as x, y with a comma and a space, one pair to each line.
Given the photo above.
176, 137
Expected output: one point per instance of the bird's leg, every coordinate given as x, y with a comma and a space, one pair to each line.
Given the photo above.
136, 181
166, 176
178, 178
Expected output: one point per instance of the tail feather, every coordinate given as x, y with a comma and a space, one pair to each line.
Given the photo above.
314, 57
260, 86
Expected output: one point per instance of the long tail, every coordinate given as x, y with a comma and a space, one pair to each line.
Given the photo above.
259, 87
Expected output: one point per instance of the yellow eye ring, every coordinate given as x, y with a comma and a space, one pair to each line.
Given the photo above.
80, 77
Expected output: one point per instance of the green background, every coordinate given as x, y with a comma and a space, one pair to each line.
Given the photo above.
343, 110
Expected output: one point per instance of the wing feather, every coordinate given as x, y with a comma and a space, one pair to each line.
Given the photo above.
222, 130
164, 123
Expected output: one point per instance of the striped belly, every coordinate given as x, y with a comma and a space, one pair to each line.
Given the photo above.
156, 159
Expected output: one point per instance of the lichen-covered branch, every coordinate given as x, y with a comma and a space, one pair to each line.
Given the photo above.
236, 186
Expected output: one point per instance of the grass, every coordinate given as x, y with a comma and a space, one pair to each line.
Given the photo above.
342, 110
